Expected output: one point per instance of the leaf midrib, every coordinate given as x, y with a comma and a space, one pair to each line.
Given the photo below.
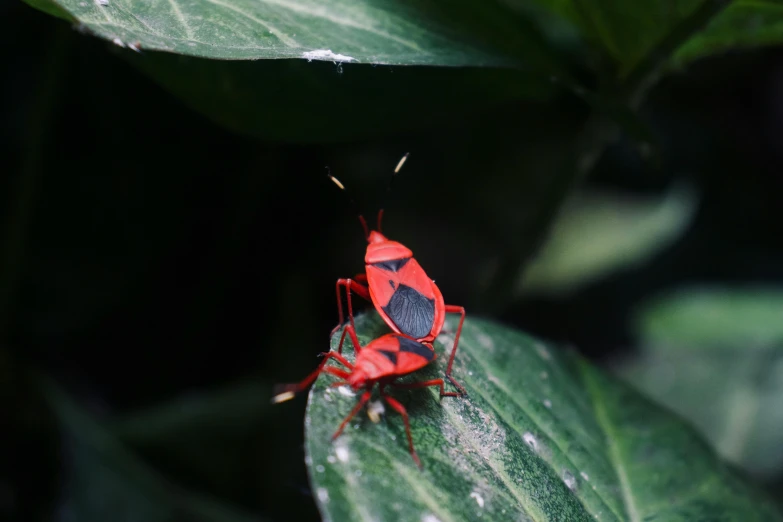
541, 429
610, 437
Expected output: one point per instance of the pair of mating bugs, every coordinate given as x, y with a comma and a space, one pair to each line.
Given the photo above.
411, 305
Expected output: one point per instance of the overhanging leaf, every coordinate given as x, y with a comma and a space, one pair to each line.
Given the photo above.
715, 356
542, 436
409, 32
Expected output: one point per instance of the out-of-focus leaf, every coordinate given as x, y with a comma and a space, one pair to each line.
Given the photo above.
627, 31
715, 356
630, 31
745, 23
597, 233
543, 435
228, 409
106, 481
409, 32
720, 317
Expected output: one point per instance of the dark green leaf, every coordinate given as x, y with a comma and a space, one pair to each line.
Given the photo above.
229, 409
106, 479
371, 31
51, 7
745, 23
715, 356
627, 31
208, 437
542, 436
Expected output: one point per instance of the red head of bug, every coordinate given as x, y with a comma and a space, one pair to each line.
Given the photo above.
380, 362
409, 301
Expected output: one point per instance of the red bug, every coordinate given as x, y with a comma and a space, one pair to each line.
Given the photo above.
409, 301
381, 362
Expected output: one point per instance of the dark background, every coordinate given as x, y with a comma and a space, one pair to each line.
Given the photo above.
167, 257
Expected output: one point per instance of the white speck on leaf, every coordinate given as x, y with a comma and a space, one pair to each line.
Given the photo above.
530, 440
429, 518
345, 390
331, 459
102, 2
374, 410
548, 403
342, 453
543, 352
319, 468
326, 54
118, 42
323, 495
446, 339
485, 341
585, 476
569, 479
478, 497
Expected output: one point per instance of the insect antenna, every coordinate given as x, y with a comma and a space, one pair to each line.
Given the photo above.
355, 205
389, 186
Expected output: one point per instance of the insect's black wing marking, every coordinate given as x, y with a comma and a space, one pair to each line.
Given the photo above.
411, 311
392, 266
407, 345
392, 284
392, 356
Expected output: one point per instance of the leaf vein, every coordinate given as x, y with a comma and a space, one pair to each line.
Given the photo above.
181, 18
287, 40
610, 436
323, 13
539, 425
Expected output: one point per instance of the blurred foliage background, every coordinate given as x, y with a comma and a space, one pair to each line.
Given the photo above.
164, 267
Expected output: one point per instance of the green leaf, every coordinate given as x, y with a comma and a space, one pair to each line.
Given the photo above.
106, 478
206, 436
458, 33
50, 7
542, 436
597, 233
715, 356
627, 31
745, 23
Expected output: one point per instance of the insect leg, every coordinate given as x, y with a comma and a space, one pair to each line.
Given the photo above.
452, 309
425, 384
362, 401
352, 332
399, 408
287, 391
350, 285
